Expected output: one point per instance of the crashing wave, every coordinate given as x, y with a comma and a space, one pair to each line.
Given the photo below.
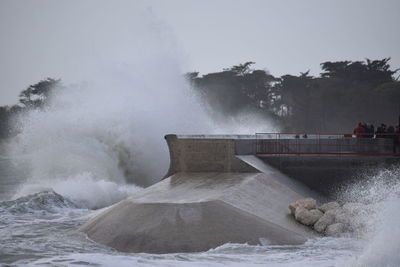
45, 201
83, 189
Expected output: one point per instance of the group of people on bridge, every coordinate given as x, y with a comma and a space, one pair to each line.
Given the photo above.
364, 130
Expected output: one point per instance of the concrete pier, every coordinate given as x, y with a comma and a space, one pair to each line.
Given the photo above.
216, 191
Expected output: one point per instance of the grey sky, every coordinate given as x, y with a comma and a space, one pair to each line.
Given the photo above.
50, 38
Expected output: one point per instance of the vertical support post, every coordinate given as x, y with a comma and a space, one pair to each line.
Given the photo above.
256, 145
319, 142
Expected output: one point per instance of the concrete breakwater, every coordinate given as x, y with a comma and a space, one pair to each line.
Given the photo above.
216, 191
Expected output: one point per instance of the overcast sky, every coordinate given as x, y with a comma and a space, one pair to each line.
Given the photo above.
50, 38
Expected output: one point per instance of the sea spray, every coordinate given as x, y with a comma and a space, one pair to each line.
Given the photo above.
382, 246
108, 134
95, 137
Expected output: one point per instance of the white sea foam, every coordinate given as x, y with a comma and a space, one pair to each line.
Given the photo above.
42, 202
83, 189
317, 252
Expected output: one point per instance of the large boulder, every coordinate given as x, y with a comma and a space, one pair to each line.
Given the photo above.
336, 229
323, 222
307, 217
329, 206
343, 217
307, 203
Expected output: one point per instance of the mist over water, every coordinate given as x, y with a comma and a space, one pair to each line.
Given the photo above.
102, 139
107, 133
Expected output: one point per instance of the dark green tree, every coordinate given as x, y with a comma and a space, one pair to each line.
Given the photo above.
36, 96
236, 89
4, 121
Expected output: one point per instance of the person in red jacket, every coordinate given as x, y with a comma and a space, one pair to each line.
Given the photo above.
359, 130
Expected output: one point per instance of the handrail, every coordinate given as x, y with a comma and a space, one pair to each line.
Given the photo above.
386, 144
316, 133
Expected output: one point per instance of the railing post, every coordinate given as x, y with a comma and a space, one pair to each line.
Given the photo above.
319, 142
256, 148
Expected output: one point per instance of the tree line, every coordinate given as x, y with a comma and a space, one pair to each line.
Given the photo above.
345, 93
36, 96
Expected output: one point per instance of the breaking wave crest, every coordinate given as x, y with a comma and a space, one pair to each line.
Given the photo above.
83, 189
44, 201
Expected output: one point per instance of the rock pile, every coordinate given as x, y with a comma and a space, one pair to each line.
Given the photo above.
332, 219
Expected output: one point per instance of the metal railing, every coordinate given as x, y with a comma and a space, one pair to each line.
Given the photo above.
327, 144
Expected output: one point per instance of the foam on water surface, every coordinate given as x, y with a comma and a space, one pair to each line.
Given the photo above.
318, 252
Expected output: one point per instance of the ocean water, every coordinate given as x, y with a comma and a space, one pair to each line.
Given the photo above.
40, 229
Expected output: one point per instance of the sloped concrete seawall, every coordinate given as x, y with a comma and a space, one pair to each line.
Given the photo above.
209, 197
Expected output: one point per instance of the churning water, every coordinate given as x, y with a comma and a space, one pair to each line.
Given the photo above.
98, 142
40, 229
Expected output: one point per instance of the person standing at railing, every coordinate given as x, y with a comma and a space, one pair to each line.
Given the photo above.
369, 130
380, 132
359, 131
